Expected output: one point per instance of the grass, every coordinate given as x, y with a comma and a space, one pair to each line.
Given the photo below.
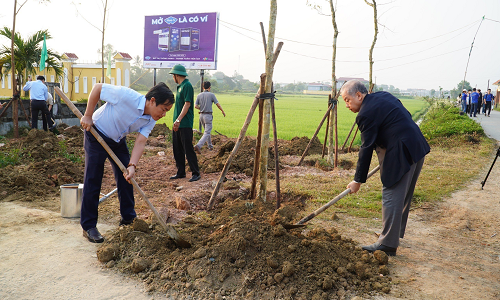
296, 115
10, 158
455, 158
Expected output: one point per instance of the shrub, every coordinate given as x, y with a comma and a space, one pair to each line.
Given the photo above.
444, 120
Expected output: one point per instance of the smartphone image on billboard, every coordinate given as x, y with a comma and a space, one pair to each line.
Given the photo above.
163, 38
185, 44
195, 39
174, 39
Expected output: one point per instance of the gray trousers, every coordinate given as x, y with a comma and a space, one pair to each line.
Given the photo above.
396, 202
206, 122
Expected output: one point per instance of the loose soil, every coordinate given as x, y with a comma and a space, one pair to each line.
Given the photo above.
240, 250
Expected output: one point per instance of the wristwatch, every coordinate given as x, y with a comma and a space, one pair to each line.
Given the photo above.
177, 121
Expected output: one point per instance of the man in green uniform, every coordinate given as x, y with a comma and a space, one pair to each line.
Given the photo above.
182, 135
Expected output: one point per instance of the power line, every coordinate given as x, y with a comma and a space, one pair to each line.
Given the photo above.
349, 61
329, 46
377, 70
492, 20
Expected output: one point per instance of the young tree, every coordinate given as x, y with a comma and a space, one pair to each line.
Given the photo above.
15, 94
102, 30
373, 4
264, 147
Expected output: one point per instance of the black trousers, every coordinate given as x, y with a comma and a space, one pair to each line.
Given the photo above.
487, 107
95, 156
182, 143
36, 107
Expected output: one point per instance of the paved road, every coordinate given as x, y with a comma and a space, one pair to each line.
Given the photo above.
491, 124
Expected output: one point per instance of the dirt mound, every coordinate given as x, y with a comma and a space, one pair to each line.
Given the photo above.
242, 162
237, 253
297, 145
160, 129
41, 162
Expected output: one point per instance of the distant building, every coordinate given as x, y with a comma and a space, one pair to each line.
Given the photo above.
316, 86
417, 92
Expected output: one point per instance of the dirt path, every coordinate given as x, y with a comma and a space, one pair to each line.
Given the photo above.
453, 251
44, 256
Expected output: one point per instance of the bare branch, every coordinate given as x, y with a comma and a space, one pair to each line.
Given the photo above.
21, 6
78, 13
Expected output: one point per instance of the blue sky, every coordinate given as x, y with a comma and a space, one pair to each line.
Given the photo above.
421, 44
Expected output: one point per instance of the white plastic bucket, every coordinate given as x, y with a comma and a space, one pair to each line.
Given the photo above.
71, 200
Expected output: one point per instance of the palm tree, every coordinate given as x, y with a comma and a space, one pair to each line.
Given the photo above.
27, 55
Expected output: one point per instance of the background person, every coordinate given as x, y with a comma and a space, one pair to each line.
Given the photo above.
488, 97
387, 127
464, 101
182, 135
38, 96
125, 111
480, 103
204, 104
474, 98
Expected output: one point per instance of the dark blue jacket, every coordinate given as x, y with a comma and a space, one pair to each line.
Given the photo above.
385, 122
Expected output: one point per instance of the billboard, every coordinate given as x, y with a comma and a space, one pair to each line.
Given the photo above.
187, 39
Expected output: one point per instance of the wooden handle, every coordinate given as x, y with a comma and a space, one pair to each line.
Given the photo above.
333, 201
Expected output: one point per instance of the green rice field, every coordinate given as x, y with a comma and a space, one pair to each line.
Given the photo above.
296, 115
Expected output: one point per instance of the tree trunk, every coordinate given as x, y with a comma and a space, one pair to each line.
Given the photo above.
13, 71
264, 148
370, 56
99, 103
332, 157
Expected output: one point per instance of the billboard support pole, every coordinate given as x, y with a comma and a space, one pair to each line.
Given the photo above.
202, 75
154, 76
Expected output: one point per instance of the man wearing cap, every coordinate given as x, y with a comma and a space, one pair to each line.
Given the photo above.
182, 135
38, 96
464, 101
204, 104
387, 127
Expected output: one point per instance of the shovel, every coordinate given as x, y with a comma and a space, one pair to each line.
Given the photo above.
169, 228
324, 207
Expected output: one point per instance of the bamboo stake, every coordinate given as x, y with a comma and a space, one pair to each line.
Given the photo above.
336, 160
276, 156
236, 147
25, 114
256, 162
326, 131
315, 134
6, 107
353, 138
349, 135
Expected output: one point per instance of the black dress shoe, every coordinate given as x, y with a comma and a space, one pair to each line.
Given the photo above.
126, 222
195, 178
178, 176
93, 235
377, 246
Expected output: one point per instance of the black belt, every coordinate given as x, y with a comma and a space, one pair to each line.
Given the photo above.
205, 112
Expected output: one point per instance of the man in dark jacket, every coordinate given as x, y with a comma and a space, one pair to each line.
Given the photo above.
387, 127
